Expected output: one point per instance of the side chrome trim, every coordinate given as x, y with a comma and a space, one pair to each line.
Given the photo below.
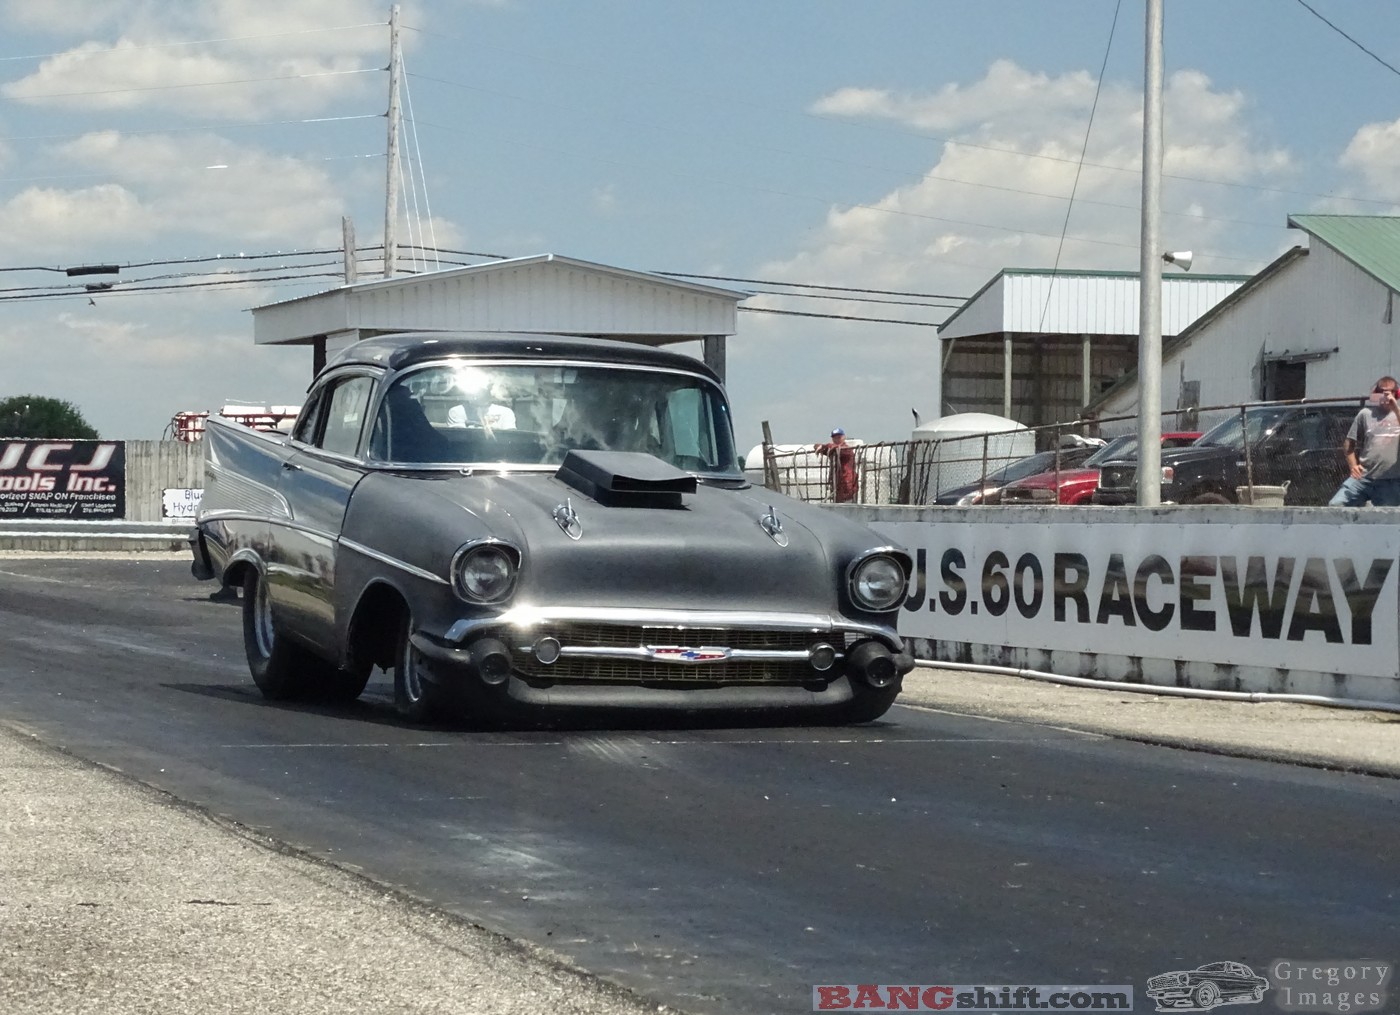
394, 562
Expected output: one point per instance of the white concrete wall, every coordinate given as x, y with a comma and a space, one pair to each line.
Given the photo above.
1292, 600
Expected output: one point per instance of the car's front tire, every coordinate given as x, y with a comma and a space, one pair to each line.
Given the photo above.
1206, 995
416, 697
280, 669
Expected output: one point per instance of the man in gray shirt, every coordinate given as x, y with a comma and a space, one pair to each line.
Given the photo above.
1371, 448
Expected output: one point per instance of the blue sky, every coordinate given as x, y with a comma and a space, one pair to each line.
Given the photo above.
910, 145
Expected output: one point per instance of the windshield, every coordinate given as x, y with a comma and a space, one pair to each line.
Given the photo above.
466, 413
1231, 434
1041, 461
1120, 447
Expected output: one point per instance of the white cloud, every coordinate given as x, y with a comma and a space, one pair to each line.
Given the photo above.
1374, 154
253, 61
130, 363
981, 208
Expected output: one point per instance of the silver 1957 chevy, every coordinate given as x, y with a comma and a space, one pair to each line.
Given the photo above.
516, 525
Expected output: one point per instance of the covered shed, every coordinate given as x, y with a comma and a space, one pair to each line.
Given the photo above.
545, 294
1038, 345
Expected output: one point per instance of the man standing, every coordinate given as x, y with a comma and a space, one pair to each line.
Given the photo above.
843, 465
1370, 449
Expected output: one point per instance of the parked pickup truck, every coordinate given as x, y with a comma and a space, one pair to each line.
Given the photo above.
1297, 446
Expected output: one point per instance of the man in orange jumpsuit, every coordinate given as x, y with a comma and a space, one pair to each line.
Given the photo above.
843, 465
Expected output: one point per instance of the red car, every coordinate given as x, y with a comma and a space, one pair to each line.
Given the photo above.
1077, 485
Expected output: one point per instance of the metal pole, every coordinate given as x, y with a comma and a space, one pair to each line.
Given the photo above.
1150, 277
391, 193
1006, 353
1086, 368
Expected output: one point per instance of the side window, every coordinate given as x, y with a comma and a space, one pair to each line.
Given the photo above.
345, 415
309, 420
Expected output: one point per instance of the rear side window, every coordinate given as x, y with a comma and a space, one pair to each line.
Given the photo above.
345, 416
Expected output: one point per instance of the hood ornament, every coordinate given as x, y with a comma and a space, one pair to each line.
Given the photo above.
568, 520
773, 525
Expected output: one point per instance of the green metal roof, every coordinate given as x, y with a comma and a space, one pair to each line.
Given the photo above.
1371, 242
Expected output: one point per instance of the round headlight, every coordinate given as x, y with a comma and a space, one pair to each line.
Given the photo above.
878, 583
485, 573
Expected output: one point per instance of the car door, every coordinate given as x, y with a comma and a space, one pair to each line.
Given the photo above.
316, 482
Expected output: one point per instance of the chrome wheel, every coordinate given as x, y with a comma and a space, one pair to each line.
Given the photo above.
264, 634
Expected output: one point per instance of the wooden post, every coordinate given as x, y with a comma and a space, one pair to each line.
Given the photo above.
770, 463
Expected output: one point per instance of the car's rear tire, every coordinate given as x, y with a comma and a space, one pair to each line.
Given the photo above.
416, 698
1209, 498
281, 669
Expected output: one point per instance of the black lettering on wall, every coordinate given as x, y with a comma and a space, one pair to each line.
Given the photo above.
1269, 599
1153, 620
996, 588
1116, 597
1067, 590
954, 595
1315, 609
1192, 592
915, 599
1361, 599
1028, 564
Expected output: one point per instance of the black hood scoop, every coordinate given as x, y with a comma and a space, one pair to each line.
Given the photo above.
626, 478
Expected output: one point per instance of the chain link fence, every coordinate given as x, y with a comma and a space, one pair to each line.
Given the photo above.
1287, 452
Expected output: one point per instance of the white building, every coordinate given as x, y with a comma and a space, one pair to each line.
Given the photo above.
547, 294
1319, 322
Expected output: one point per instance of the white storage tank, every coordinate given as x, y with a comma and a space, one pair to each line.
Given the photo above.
960, 449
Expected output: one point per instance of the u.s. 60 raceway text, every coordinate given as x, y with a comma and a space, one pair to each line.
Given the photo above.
1317, 597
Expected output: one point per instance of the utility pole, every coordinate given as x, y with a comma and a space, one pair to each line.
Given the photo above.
1150, 276
391, 159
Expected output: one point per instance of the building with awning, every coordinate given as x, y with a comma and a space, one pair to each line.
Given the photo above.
1038, 345
546, 294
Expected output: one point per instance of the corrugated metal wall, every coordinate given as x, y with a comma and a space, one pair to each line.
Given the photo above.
1046, 378
152, 467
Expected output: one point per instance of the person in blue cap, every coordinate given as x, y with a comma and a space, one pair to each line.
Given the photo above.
843, 481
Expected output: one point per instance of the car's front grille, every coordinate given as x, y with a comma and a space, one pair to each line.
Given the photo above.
1118, 477
577, 669
635, 636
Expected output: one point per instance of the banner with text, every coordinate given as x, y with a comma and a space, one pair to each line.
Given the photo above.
1288, 596
62, 479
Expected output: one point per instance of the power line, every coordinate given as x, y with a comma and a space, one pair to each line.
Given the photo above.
195, 84
1313, 11
114, 50
189, 130
837, 317
811, 285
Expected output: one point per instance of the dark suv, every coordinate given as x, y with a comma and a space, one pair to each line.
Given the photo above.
1294, 445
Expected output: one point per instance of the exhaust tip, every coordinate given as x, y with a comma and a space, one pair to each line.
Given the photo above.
872, 663
491, 659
